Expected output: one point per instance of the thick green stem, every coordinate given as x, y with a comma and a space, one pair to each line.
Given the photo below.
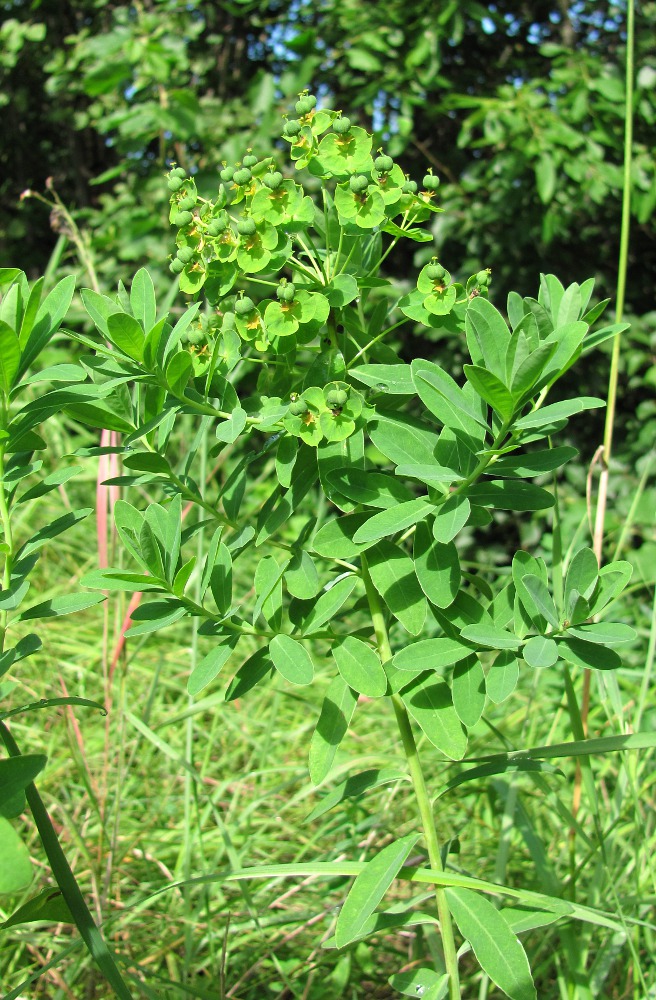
419, 786
5, 520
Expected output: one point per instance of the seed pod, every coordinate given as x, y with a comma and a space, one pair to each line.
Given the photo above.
431, 182
179, 172
176, 266
383, 163
246, 227
292, 127
286, 291
182, 219
342, 125
185, 254
410, 187
272, 180
483, 278
435, 272
244, 306
249, 160
227, 174
175, 183
186, 204
217, 226
242, 176
298, 408
358, 183
336, 398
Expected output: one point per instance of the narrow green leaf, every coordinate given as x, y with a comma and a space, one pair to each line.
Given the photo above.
369, 888
450, 518
9, 356
209, 667
582, 574
374, 489
329, 604
606, 633
429, 702
393, 379
336, 713
16, 868
301, 576
554, 412
65, 604
431, 654
334, 540
360, 667
437, 566
16, 773
541, 597
613, 578
389, 522
491, 389
393, 575
536, 463
446, 401
510, 494
48, 905
487, 635
255, 669
47, 321
221, 580
142, 299
468, 690
126, 334
291, 659
355, 786
432, 475
487, 336
403, 440
588, 654
498, 951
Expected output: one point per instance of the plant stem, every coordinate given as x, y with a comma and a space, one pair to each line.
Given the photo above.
419, 785
5, 520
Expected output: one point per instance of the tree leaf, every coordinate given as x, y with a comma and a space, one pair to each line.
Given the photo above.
588, 654
487, 336
447, 401
498, 951
369, 888
291, 659
336, 713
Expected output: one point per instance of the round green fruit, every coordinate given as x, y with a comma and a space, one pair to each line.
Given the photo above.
342, 125
298, 408
185, 254
336, 398
292, 127
182, 219
249, 160
217, 226
483, 278
410, 187
286, 292
358, 183
227, 174
246, 227
175, 183
244, 306
435, 272
186, 204
272, 180
179, 172
431, 182
383, 163
176, 266
242, 176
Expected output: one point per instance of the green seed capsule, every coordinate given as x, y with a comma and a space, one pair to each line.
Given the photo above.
179, 172
383, 163
175, 183
249, 160
246, 227
431, 182
186, 204
242, 176
176, 266
336, 398
298, 408
410, 187
285, 292
483, 278
227, 174
303, 107
217, 226
182, 219
435, 272
342, 125
272, 180
244, 306
292, 127
185, 254
358, 183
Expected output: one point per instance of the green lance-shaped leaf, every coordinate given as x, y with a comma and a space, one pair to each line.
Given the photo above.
437, 566
613, 578
16, 868
491, 637
142, 299
48, 905
16, 773
252, 671
429, 701
221, 579
468, 690
393, 575
432, 654
291, 659
327, 606
388, 522
9, 356
354, 787
487, 336
535, 464
336, 713
403, 440
47, 321
450, 518
498, 951
208, 668
393, 379
588, 654
510, 494
65, 604
374, 489
582, 575
604, 633
369, 888
541, 598
554, 412
126, 334
447, 401
491, 389
360, 667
